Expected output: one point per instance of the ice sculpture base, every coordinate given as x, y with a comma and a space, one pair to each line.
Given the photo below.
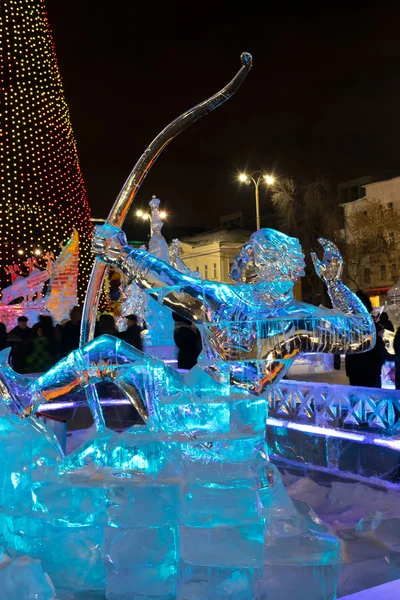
140, 563
23, 578
114, 520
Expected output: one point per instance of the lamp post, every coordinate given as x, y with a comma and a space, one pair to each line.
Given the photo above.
146, 215
248, 179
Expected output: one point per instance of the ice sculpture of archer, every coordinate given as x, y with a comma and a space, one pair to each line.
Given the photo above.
212, 432
209, 423
251, 331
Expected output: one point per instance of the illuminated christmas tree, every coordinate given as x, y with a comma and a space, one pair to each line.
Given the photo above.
43, 196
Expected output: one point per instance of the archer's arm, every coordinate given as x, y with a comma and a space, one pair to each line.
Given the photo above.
181, 293
351, 332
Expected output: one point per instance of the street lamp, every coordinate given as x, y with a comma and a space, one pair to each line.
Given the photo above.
248, 179
145, 215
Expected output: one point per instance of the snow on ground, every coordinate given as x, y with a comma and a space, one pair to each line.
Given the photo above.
341, 503
367, 521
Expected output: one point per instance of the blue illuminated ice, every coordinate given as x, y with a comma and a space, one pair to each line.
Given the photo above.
187, 505
160, 513
23, 578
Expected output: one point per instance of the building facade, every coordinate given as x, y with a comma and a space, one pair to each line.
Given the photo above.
349, 191
377, 267
212, 254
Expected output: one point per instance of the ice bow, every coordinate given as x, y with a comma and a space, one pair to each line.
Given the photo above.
128, 193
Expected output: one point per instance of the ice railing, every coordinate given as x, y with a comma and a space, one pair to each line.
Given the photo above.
336, 406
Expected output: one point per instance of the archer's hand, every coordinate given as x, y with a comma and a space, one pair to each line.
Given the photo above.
108, 243
330, 268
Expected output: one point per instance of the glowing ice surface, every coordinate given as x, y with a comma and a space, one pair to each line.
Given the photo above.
184, 506
23, 579
187, 507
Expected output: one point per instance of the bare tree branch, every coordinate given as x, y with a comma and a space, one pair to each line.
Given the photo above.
372, 231
308, 212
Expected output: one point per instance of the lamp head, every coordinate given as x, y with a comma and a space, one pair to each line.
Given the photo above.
269, 179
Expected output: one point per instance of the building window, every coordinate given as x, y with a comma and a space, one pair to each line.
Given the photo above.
383, 272
389, 205
367, 275
393, 269
391, 238
354, 193
197, 269
215, 270
206, 271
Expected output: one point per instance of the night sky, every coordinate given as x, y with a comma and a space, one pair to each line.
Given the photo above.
323, 97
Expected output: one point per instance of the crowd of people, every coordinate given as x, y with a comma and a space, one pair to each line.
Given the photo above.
36, 349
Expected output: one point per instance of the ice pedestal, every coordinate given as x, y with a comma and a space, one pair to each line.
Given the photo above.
313, 582
72, 556
302, 558
212, 583
194, 512
23, 578
220, 525
221, 540
273, 583
141, 546
294, 534
141, 562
